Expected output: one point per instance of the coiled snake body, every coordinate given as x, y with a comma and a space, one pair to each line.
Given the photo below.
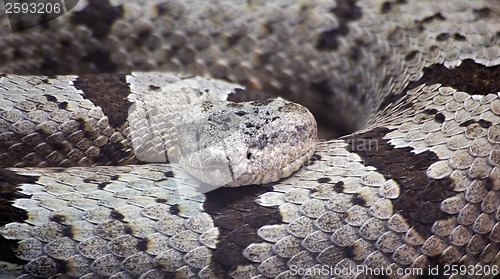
414, 191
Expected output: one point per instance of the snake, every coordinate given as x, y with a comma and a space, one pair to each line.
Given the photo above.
134, 142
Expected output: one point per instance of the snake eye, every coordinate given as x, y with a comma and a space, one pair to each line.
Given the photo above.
249, 155
262, 141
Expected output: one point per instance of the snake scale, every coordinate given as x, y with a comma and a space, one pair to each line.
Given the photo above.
413, 192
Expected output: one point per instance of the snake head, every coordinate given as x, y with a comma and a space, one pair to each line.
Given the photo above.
234, 144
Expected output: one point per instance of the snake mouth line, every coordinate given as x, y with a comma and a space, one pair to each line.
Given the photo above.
250, 178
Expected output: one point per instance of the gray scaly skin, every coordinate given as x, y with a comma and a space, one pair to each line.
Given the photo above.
416, 186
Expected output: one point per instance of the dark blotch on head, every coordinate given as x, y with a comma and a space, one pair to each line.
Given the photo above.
259, 103
249, 125
245, 95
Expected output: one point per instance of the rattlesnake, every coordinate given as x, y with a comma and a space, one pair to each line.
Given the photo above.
415, 189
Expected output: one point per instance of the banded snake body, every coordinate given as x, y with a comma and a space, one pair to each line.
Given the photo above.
416, 187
